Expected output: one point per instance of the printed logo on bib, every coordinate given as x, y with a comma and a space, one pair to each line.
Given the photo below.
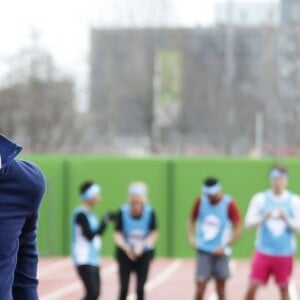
210, 227
136, 237
276, 226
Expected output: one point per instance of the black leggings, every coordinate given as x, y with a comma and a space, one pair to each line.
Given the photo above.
140, 267
91, 279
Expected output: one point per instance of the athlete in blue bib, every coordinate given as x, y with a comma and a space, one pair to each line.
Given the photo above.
135, 237
215, 224
275, 213
86, 239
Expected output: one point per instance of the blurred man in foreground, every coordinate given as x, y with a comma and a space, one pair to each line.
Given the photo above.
22, 187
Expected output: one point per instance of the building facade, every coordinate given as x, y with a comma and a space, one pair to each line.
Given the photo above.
225, 82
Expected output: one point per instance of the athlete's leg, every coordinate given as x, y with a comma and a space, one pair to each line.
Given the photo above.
142, 268
221, 272
125, 268
261, 268
282, 269
90, 278
200, 289
251, 290
204, 269
220, 287
284, 293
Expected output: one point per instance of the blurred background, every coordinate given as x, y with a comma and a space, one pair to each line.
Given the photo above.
165, 91
161, 76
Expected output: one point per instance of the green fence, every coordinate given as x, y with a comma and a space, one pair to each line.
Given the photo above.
174, 185
114, 175
52, 211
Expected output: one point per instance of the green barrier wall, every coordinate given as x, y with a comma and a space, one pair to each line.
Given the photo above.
52, 210
240, 178
114, 175
174, 185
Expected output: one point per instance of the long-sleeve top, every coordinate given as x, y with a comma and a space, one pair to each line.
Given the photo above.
277, 218
254, 213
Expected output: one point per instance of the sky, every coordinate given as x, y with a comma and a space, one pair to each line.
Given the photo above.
63, 27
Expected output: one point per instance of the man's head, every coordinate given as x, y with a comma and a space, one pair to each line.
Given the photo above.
278, 177
90, 193
212, 188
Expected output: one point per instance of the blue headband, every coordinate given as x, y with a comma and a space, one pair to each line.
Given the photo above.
211, 190
275, 173
91, 192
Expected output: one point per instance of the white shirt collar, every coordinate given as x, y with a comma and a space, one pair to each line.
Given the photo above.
283, 195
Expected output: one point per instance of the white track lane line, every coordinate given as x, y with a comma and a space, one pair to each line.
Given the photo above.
232, 267
160, 278
293, 291
76, 286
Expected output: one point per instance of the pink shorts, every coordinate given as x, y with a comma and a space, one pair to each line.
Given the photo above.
263, 266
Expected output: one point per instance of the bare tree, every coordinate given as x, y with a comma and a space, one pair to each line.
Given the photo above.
37, 102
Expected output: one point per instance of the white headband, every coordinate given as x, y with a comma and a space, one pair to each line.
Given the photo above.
91, 192
212, 190
277, 173
137, 190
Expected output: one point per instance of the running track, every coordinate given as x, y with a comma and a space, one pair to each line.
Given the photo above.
171, 279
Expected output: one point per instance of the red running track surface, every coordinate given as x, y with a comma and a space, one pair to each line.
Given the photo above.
170, 278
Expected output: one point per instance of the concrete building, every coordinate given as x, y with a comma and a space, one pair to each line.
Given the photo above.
251, 13
290, 12
226, 78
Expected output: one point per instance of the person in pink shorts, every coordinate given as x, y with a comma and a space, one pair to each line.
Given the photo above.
276, 214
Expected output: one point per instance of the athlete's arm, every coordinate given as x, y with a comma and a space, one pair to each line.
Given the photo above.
153, 235
110, 216
119, 237
121, 242
253, 216
236, 220
86, 229
192, 223
294, 221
